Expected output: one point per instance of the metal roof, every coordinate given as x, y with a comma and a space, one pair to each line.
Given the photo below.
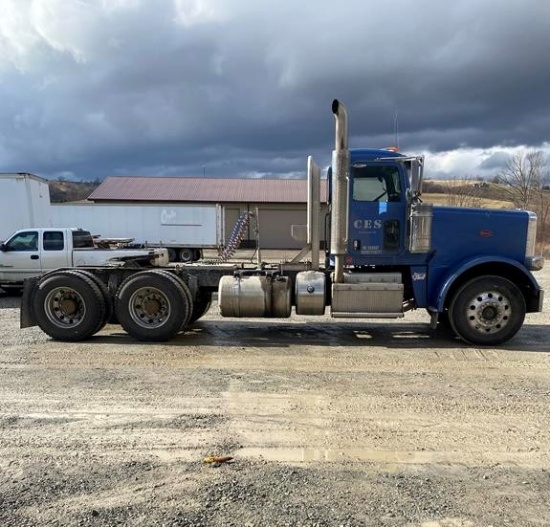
218, 190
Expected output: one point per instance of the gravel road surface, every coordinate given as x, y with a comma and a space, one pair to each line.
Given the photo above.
329, 423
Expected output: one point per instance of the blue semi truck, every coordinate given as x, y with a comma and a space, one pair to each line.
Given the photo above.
386, 253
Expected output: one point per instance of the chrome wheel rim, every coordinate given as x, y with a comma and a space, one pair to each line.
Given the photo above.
149, 307
489, 312
64, 307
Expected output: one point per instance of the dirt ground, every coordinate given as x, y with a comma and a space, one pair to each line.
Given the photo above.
329, 423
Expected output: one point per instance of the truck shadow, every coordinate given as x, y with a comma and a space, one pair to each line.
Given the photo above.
9, 300
278, 334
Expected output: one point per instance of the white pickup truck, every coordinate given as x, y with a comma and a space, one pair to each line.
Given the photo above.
33, 252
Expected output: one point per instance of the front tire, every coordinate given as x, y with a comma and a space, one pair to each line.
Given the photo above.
69, 306
487, 311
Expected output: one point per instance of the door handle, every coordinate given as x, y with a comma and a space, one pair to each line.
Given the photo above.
34, 256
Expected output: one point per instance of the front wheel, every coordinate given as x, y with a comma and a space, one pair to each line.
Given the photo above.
487, 310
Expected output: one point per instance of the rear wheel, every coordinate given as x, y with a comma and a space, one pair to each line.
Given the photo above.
109, 303
151, 306
184, 290
69, 306
201, 306
187, 255
487, 310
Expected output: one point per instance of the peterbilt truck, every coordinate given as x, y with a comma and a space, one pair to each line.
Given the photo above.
387, 253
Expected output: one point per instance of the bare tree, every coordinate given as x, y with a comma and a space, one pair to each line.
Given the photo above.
522, 178
463, 192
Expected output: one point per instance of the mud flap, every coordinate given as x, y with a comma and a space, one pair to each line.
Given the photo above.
27, 318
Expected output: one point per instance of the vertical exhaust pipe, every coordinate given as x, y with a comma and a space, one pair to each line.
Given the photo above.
340, 184
313, 210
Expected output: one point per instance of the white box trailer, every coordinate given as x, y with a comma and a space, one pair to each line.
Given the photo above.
184, 229
24, 202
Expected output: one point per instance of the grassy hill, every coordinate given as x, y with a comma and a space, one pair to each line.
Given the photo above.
462, 193
63, 191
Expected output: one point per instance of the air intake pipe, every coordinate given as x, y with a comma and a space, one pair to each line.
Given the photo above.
340, 182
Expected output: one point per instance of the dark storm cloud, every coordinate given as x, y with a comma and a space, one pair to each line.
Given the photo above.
232, 87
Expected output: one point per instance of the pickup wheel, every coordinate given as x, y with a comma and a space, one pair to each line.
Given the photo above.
151, 306
69, 306
487, 310
201, 306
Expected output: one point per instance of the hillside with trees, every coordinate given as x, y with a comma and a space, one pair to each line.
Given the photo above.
62, 191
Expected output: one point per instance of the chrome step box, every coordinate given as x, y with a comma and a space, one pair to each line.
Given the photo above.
368, 300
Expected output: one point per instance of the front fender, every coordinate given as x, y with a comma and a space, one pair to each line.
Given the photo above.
457, 271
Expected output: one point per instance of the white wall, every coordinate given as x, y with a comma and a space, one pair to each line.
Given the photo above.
24, 203
178, 224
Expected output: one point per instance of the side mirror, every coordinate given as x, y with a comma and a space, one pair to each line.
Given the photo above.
417, 172
415, 169
3, 247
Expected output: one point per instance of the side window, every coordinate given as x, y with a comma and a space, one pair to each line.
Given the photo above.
369, 189
53, 241
376, 183
82, 240
24, 241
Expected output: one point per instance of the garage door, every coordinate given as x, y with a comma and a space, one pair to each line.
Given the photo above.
275, 225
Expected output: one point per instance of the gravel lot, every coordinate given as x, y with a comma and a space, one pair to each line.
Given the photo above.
329, 423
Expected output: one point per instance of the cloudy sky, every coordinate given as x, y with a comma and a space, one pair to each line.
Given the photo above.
90, 88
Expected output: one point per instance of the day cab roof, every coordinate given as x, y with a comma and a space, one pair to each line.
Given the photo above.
372, 154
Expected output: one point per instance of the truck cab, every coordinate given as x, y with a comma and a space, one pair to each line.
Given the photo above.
377, 217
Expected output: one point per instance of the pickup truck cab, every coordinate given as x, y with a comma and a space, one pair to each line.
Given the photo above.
33, 252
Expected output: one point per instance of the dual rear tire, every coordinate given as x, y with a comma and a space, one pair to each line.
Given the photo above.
71, 305
153, 305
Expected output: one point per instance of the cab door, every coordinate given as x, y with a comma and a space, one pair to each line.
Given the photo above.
54, 251
377, 212
20, 257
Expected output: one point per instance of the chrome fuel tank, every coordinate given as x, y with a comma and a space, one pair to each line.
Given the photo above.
310, 293
255, 296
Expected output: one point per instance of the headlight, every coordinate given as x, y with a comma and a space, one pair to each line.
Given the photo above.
532, 262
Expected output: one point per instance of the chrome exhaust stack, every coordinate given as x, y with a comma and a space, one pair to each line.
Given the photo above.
340, 185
